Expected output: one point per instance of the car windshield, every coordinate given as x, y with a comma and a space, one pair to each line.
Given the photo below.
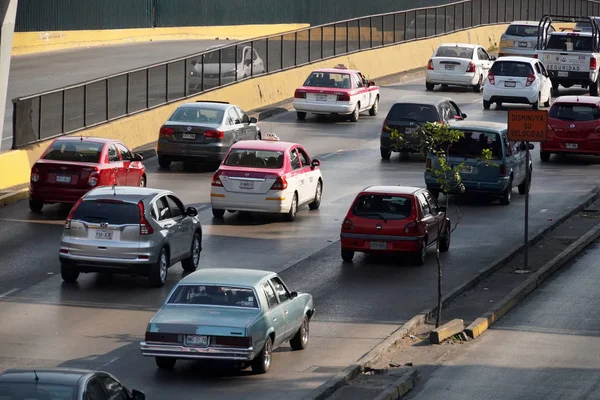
383, 206
511, 68
570, 43
329, 80
522, 30
585, 26
214, 295
114, 213
472, 144
413, 112
227, 56
197, 115
574, 112
255, 158
455, 51
39, 391
75, 150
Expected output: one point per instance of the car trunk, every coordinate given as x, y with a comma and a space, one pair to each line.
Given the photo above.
407, 117
574, 121
190, 133
468, 151
247, 180
510, 74
391, 212
323, 94
69, 174
451, 65
521, 42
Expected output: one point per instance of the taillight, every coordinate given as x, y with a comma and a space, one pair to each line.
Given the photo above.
491, 78
530, 79
70, 216
280, 184
385, 127
502, 171
94, 178
145, 227
166, 131
428, 164
347, 225
214, 134
232, 341
216, 181
412, 227
535, 56
430, 65
471, 67
343, 97
35, 174
592, 63
300, 94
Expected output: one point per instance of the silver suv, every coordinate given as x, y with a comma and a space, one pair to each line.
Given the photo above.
130, 230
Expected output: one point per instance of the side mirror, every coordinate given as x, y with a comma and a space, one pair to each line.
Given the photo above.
191, 211
253, 120
315, 163
293, 295
463, 115
138, 157
237, 121
371, 83
531, 146
442, 210
137, 395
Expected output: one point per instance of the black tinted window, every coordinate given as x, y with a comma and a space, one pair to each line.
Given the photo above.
75, 150
511, 68
522, 30
329, 79
473, 143
417, 112
455, 51
40, 391
255, 158
111, 212
570, 43
196, 115
214, 295
227, 56
383, 206
574, 112
175, 206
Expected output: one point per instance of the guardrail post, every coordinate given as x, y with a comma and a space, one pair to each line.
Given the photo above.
202, 75
127, 96
186, 76
252, 58
235, 49
282, 49
394, 36
359, 36
147, 88
14, 123
84, 105
309, 46
220, 66
63, 122
295, 49
167, 84
334, 39
322, 42
266, 55
348, 37
107, 97
39, 119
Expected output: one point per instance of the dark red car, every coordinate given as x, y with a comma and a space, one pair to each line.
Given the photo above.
394, 219
573, 127
71, 166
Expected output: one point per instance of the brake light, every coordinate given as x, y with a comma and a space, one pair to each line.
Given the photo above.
593, 63
35, 174
411, 228
530, 79
385, 127
300, 94
491, 78
145, 227
535, 56
70, 216
280, 183
343, 97
471, 67
94, 178
428, 164
347, 225
216, 181
232, 341
166, 131
430, 65
214, 134
502, 171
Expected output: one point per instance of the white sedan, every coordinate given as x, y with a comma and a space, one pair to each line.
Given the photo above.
458, 64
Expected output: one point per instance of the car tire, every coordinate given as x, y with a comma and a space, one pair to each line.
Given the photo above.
301, 115
545, 156
421, 255
291, 215
318, 194
160, 270
262, 362
536, 105
375, 109
507, 195
445, 239
69, 274
355, 114
143, 181
523, 187
347, 255
486, 105
386, 154
477, 88
300, 339
36, 206
547, 103
163, 162
218, 213
166, 363
429, 86
594, 88
404, 155
190, 264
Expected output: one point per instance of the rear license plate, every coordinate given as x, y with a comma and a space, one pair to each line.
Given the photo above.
63, 179
196, 340
563, 73
246, 185
378, 245
510, 84
191, 136
449, 67
104, 235
572, 146
410, 130
468, 169
522, 44
321, 97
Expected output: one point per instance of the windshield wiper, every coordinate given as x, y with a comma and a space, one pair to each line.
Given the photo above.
374, 215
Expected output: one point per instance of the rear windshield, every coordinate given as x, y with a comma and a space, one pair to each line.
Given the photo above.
76, 150
329, 80
40, 391
255, 158
473, 143
455, 51
574, 112
522, 30
570, 43
383, 206
214, 295
228, 56
416, 112
111, 212
194, 115
511, 68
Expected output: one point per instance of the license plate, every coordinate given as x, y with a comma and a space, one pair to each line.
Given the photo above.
63, 179
572, 146
196, 340
449, 67
468, 169
510, 84
522, 44
378, 245
189, 136
410, 130
104, 235
563, 73
246, 185
321, 97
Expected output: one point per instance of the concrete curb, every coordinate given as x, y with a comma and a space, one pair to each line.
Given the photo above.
13, 197
480, 325
399, 388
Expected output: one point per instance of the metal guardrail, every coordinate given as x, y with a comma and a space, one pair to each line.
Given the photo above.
46, 115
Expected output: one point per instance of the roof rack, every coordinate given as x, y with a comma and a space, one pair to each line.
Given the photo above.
548, 19
212, 101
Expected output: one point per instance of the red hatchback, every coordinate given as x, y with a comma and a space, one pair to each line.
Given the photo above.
71, 166
394, 219
573, 127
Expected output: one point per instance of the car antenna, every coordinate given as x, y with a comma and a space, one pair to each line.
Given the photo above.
81, 137
37, 378
114, 189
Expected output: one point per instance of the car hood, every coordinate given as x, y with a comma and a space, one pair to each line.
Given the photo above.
190, 319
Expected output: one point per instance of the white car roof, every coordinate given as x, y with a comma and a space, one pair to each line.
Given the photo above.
527, 60
583, 33
529, 23
467, 45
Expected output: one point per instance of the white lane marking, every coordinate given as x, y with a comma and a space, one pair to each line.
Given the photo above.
543, 210
331, 154
11, 291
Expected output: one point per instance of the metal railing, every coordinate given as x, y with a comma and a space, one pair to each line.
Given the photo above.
67, 110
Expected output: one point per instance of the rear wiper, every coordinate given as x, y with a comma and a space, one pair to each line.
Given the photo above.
404, 119
374, 215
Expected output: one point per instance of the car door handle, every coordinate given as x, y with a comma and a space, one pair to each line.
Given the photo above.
274, 319
286, 312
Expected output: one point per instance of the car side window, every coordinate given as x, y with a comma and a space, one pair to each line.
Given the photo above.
280, 289
304, 158
507, 147
95, 390
543, 69
254, 55
449, 111
424, 205
243, 116
270, 293
537, 68
454, 109
358, 81
114, 388
125, 154
177, 209
113, 155
294, 159
481, 53
514, 148
164, 212
234, 118
433, 204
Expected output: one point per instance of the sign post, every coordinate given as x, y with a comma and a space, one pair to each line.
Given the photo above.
527, 126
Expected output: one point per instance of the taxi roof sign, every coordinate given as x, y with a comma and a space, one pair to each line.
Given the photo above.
271, 137
340, 66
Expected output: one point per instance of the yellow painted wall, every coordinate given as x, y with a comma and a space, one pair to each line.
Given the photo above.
142, 129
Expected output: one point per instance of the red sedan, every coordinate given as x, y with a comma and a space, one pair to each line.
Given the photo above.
573, 127
71, 166
394, 219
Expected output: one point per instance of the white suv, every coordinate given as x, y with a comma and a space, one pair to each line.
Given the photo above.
521, 80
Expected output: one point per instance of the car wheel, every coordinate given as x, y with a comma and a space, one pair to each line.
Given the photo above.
36, 206
547, 103
421, 254
218, 213
544, 156
300, 339
191, 263
347, 255
375, 109
167, 363
159, 271
163, 162
143, 181
507, 195
536, 105
445, 239
486, 105
429, 86
301, 115
385, 153
69, 274
262, 362
477, 88
318, 193
291, 215
594, 88
524, 188
355, 114
404, 155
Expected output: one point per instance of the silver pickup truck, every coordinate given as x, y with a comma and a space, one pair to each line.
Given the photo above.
571, 58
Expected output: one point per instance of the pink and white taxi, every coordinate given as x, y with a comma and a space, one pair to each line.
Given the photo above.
338, 91
268, 176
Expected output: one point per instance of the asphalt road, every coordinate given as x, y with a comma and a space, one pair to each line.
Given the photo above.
97, 324
546, 348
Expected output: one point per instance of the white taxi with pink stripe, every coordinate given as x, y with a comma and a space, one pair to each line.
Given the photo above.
337, 91
267, 176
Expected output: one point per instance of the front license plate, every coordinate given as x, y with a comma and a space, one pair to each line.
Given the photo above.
449, 67
321, 97
378, 245
191, 136
572, 146
196, 340
104, 235
522, 44
246, 185
510, 84
63, 179
563, 74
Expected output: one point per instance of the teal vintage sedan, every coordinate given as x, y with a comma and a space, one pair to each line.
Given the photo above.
237, 315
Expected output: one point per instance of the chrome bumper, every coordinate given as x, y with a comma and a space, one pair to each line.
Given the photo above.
195, 353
